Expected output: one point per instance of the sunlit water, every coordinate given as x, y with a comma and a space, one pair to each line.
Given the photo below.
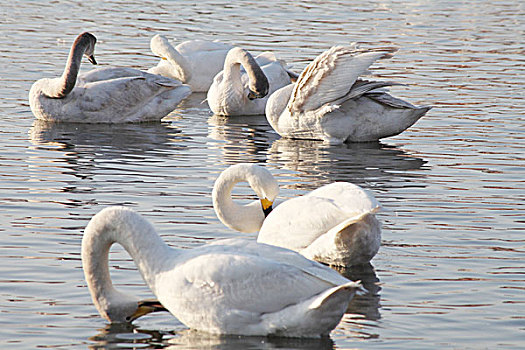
450, 272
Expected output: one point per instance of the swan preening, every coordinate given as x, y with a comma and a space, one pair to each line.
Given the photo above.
194, 62
334, 224
245, 83
107, 95
330, 102
230, 286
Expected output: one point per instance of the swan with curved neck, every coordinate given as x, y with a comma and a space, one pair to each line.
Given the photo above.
107, 95
193, 62
334, 224
231, 286
330, 101
248, 217
245, 83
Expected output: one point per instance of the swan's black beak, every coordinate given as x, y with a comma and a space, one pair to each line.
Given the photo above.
146, 307
91, 59
252, 95
267, 206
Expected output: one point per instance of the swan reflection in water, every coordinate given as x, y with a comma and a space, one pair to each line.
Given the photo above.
240, 138
84, 143
360, 163
367, 304
126, 335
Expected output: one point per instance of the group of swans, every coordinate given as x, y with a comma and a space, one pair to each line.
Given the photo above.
328, 101
268, 286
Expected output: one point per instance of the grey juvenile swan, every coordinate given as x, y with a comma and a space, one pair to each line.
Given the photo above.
107, 95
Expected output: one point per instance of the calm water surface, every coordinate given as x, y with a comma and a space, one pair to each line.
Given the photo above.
450, 273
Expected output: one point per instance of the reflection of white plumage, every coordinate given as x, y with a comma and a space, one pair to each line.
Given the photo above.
334, 224
245, 90
329, 102
107, 95
194, 62
231, 286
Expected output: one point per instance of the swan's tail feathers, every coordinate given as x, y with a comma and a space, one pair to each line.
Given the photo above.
354, 241
337, 295
362, 87
168, 82
313, 317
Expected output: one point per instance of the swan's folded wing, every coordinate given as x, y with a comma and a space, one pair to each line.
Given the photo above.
330, 76
247, 283
122, 94
265, 58
284, 256
349, 198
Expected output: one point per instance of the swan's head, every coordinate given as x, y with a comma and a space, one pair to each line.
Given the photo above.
262, 182
160, 46
259, 87
88, 40
244, 218
124, 308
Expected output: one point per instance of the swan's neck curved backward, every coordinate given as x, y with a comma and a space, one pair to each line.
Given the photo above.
233, 62
61, 87
138, 238
179, 63
243, 218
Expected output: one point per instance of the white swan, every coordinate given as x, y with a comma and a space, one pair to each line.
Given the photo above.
107, 95
329, 102
231, 286
194, 62
334, 224
237, 91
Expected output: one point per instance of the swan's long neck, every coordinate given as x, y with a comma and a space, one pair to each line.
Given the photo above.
232, 66
243, 218
139, 239
61, 87
178, 62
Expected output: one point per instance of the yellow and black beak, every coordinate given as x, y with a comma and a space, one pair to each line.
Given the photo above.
267, 206
146, 307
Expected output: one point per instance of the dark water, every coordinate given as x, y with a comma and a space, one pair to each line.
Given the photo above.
450, 273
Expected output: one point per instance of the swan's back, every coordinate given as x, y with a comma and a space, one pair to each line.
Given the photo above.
191, 46
238, 286
298, 222
111, 95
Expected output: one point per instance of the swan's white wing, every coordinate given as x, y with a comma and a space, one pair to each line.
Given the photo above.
299, 221
191, 46
284, 256
330, 76
246, 277
347, 196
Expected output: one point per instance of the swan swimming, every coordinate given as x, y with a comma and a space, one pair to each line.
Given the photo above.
334, 224
230, 286
107, 95
245, 83
330, 102
194, 62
